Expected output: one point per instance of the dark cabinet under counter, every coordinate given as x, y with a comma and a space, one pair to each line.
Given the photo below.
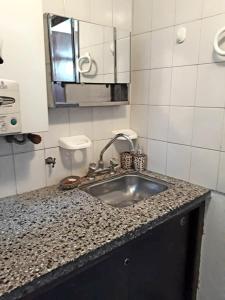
161, 264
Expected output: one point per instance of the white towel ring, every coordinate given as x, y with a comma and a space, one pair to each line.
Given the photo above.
217, 48
84, 59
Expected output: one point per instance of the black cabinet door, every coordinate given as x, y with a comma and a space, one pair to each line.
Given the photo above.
106, 280
157, 266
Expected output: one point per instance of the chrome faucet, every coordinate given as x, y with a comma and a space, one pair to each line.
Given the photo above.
99, 168
101, 162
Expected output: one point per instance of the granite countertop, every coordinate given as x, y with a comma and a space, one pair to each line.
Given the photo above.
48, 233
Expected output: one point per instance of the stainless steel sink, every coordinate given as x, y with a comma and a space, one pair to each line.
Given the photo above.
126, 190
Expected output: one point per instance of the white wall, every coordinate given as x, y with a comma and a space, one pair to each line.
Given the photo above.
178, 108
22, 168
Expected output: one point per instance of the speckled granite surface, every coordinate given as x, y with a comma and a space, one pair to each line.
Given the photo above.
48, 233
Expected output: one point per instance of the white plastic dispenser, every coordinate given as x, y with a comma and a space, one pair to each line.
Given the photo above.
10, 121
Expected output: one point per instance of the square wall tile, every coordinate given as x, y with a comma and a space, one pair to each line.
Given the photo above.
141, 51
210, 26
178, 161
140, 87
213, 7
180, 125
160, 86
138, 118
184, 81
211, 87
101, 12
81, 121
158, 122
162, 48
58, 126
79, 9
157, 156
102, 123
204, 167
54, 7
62, 168
207, 128
187, 11
121, 117
122, 14
187, 52
5, 148
163, 13
221, 178
30, 171
142, 16
7, 176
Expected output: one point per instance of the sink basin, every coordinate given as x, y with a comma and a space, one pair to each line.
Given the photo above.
126, 190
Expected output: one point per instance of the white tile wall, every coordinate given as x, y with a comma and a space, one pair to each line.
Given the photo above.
140, 87
188, 10
209, 28
158, 122
183, 89
157, 152
186, 102
204, 167
122, 14
180, 125
213, 7
187, 53
141, 51
162, 48
22, 168
211, 85
163, 13
207, 129
142, 16
30, 171
178, 161
160, 86
139, 117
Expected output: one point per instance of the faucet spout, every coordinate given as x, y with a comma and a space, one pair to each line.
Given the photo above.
101, 162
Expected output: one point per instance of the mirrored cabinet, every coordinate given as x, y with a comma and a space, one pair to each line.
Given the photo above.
87, 64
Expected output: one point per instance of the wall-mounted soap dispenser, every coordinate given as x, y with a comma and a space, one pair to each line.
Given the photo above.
10, 121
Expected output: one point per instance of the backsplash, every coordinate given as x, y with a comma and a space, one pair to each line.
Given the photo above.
22, 167
178, 89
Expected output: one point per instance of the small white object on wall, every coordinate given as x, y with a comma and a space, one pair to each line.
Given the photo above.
181, 35
217, 40
76, 142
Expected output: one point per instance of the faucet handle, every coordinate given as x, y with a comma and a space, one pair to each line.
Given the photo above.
114, 165
92, 167
113, 162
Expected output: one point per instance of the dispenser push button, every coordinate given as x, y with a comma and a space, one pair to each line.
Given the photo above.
13, 121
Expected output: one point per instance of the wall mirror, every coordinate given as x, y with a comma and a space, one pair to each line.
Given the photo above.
85, 59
